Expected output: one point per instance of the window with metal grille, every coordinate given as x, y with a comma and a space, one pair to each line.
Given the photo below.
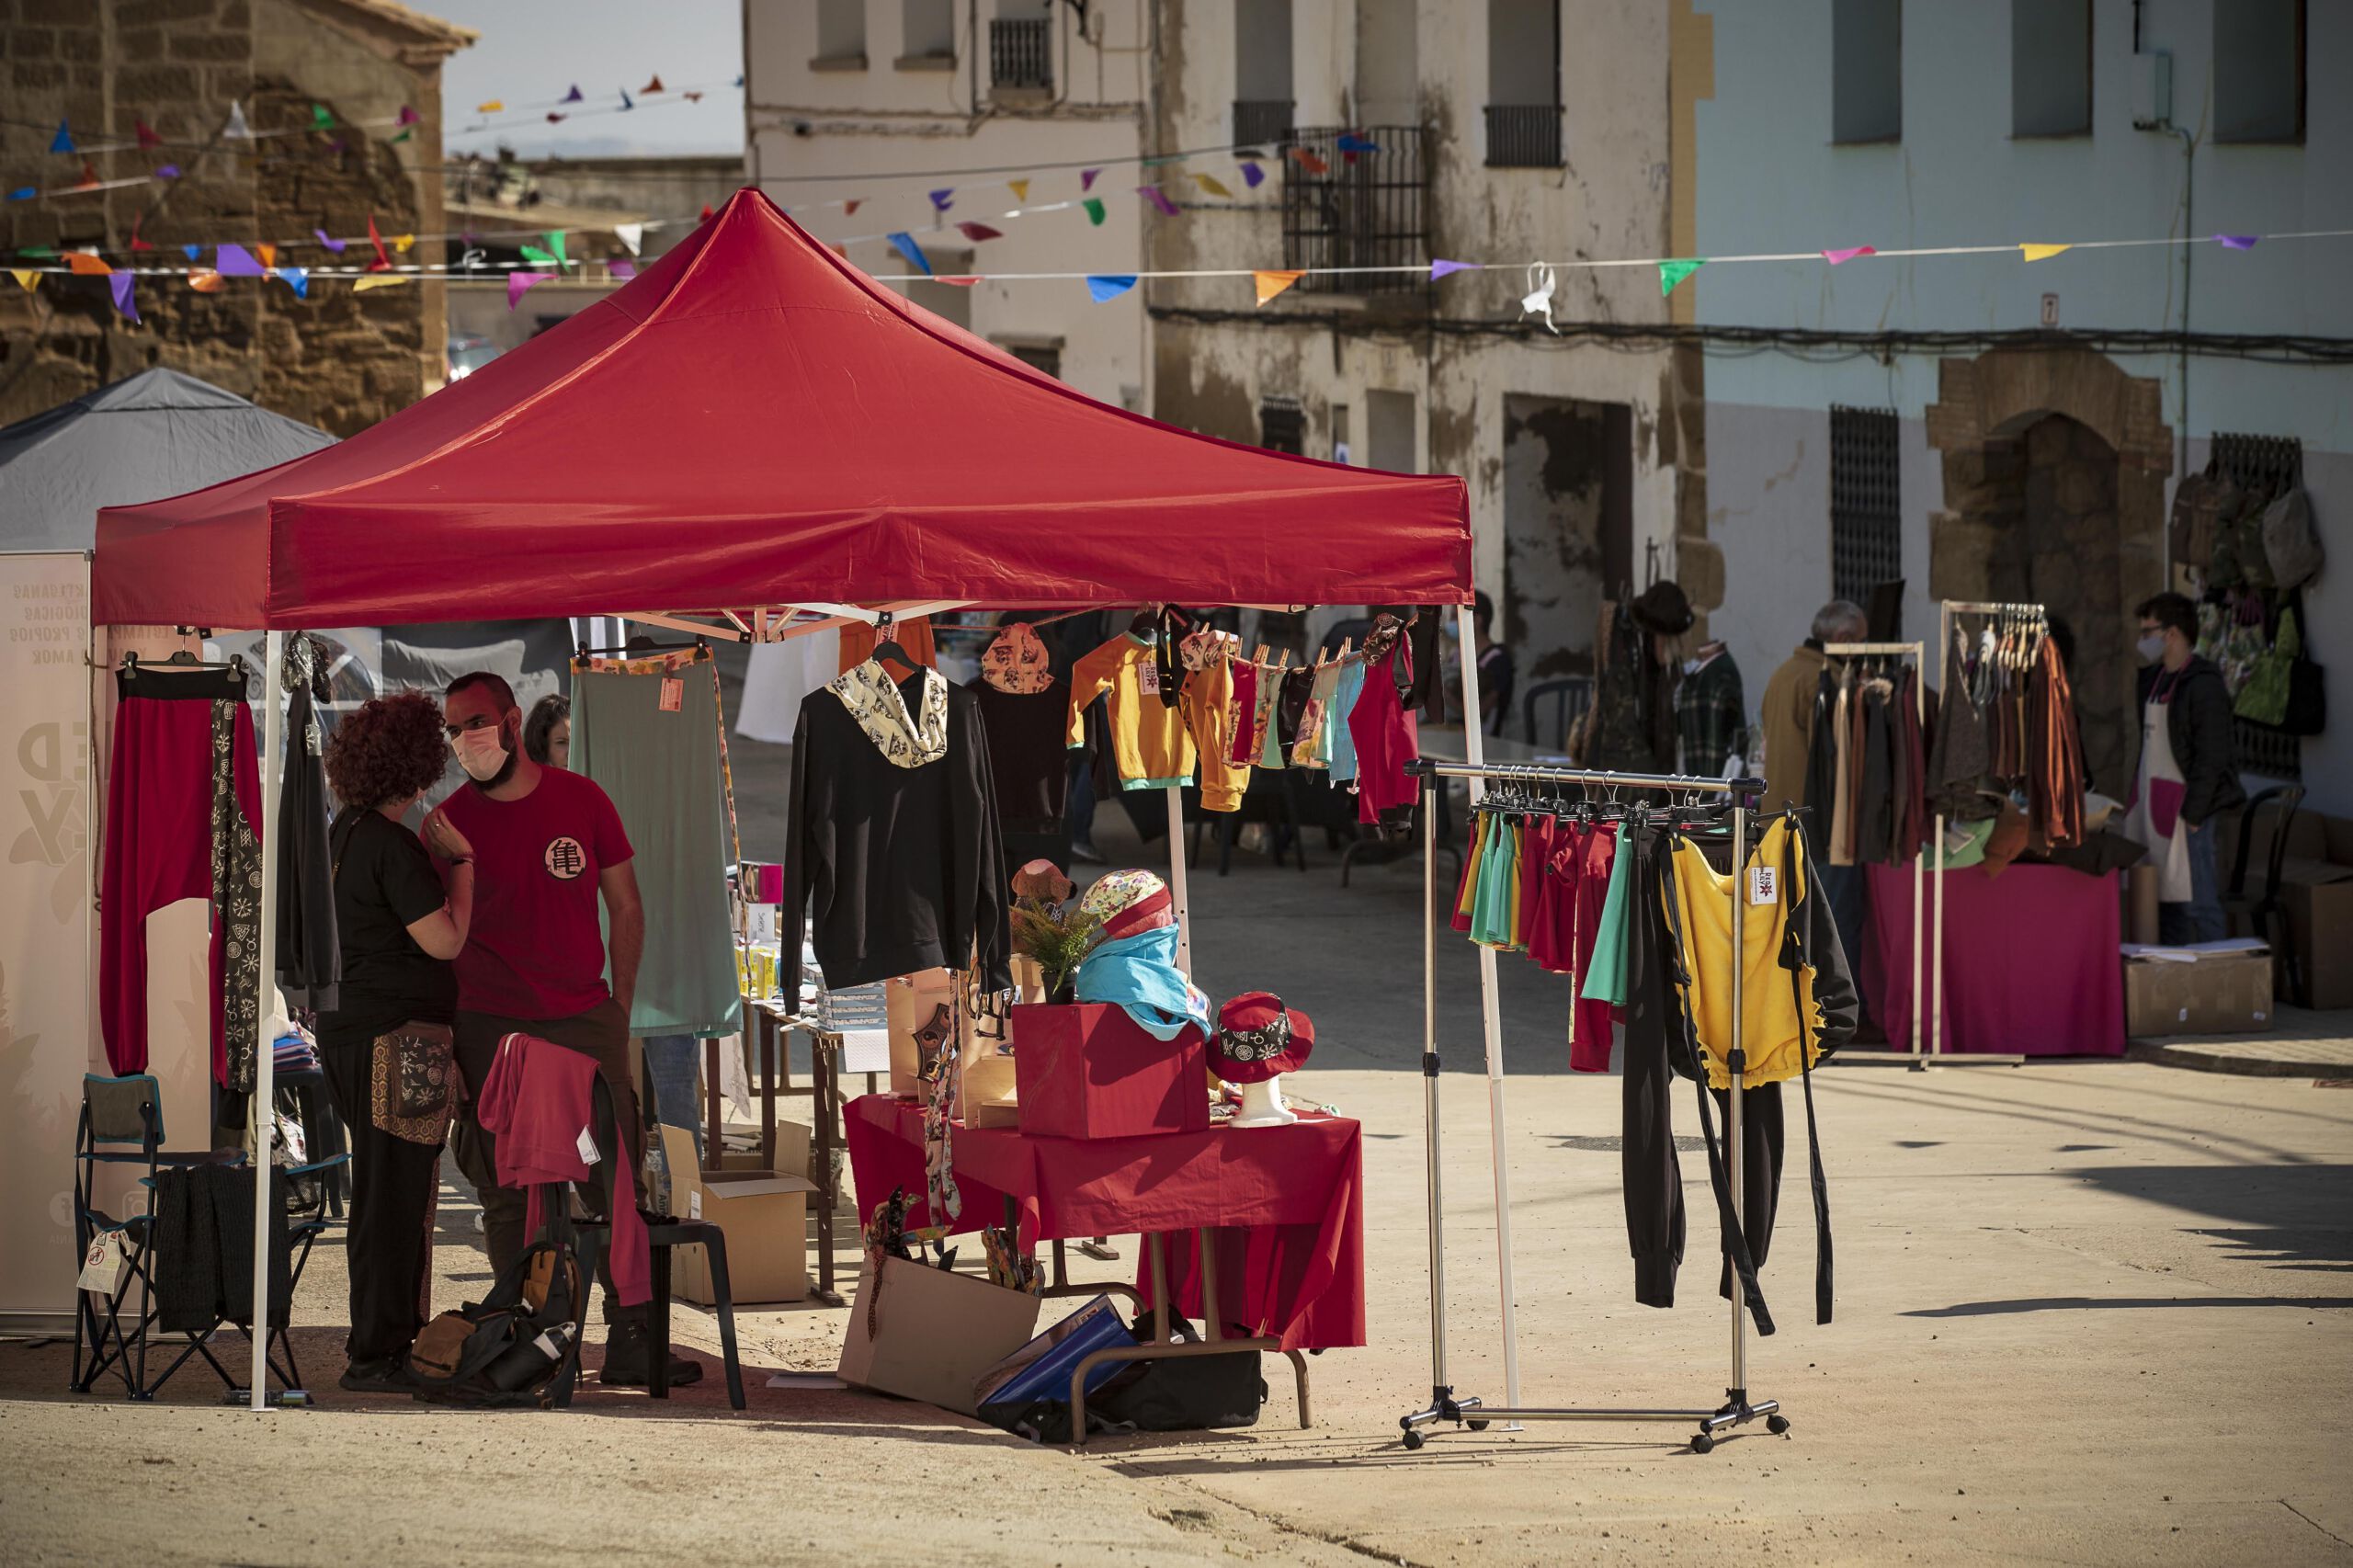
2268, 465
1021, 51
1283, 426
1357, 198
1866, 503
1261, 122
1046, 356
1523, 84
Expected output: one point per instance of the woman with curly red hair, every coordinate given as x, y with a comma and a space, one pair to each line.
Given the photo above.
386, 1044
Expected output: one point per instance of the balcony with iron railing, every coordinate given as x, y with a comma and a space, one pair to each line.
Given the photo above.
1021, 54
1261, 122
1357, 196
1524, 136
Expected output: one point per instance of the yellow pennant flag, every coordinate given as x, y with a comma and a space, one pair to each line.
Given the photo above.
1213, 184
24, 275
2042, 253
1273, 283
376, 280
86, 264
402, 242
205, 282
267, 252
490, 108
1020, 188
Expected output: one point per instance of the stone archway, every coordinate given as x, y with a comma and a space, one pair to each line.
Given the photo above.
2055, 469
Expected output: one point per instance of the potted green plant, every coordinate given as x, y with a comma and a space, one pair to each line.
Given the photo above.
1049, 929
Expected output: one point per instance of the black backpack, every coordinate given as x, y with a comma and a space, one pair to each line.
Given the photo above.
519, 1346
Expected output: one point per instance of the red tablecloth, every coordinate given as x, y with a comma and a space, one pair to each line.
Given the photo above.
2030, 960
1289, 1203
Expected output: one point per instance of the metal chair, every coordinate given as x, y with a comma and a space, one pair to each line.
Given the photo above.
2267, 917
1552, 709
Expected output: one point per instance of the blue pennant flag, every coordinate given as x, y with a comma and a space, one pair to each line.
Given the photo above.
904, 244
1108, 287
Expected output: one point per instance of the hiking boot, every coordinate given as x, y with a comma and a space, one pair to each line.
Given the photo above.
629, 1358
384, 1374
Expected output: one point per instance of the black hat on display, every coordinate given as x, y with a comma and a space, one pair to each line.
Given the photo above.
1662, 609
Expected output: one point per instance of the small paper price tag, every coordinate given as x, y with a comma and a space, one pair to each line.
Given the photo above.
588, 1147
674, 695
694, 1204
1764, 884
1148, 678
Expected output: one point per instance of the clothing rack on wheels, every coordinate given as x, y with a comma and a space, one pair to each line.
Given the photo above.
1917, 1057
1937, 1055
1738, 1409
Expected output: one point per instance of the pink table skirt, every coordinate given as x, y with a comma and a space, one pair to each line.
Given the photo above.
2030, 959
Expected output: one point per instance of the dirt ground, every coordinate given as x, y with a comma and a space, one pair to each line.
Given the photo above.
2088, 1313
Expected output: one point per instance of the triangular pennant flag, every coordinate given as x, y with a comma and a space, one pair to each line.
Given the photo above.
631, 236
706, 212
267, 252
407, 116
652, 86
1440, 268
400, 244
2237, 242
555, 119
377, 281
1270, 284
1110, 287
941, 200
620, 271
574, 95
842, 251
1213, 185
90, 180
1351, 143
1671, 273
38, 253
26, 276
904, 244
24, 193
376, 242
330, 241
1159, 199
1020, 188
493, 106
297, 279
237, 261
136, 242
205, 282
849, 208
625, 99
64, 141
146, 134
1086, 179
191, 252
961, 281
692, 98
404, 136
1252, 174
320, 118
121, 285
86, 265
2042, 253
1309, 161
169, 171
1835, 256
235, 129
555, 244
1094, 205
976, 232
521, 283
537, 257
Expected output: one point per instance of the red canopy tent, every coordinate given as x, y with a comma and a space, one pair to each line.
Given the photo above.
754, 421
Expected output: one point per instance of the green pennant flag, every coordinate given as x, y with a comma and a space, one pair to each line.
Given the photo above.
402, 136
555, 244
320, 118
39, 253
1670, 273
1094, 205
539, 257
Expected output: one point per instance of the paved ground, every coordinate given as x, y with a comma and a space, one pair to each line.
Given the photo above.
2087, 1313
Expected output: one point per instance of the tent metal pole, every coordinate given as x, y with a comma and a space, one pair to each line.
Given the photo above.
1177, 892
1475, 751
259, 1118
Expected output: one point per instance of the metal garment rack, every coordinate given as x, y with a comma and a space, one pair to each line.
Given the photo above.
1738, 1409
1945, 610
1915, 1058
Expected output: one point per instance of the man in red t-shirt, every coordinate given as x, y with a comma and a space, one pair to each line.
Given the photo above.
546, 847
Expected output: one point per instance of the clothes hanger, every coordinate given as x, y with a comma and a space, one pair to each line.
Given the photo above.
887, 646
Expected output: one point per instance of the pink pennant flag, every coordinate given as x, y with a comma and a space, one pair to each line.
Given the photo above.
962, 280
1159, 199
521, 283
1835, 256
622, 271
979, 232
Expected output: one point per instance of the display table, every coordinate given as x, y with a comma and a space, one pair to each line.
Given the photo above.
2030, 960
1286, 1205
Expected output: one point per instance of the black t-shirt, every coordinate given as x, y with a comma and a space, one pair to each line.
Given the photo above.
385, 882
1029, 753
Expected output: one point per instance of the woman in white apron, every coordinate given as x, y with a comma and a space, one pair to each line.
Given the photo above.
2155, 818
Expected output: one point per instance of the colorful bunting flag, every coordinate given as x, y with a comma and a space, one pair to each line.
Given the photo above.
1440, 268
297, 279
205, 282
904, 244
90, 180
169, 171
1020, 188
555, 119
555, 244
146, 134
330, 241
1671, 273
2236, 242
26, 278
849, 208
2042, 253
237, 261
1102, 287
267, 252
631, 236
408, 115
24, 193
64, 141
138, 243
941, 200
493, 106
404, 136
1094, 205
620, 271
191, 252
539, 257
693, 98
1351, 143
521, 283
1086, 179
377, 281
235, 129
1309, 161
119, 283
401, 243
1213, 185
652, 86
1252, 174
576, 96
625, 99
1835, 256
1159, 199
706, 212
85, 265
961, 281
1270, 284
320, 118
976, 232
376, 242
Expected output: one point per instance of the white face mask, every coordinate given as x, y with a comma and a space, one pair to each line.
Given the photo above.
2151, 648
481, 753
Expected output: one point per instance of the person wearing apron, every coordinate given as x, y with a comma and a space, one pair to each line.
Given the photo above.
2188, 775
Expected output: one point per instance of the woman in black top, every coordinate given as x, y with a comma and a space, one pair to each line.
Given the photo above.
398, 929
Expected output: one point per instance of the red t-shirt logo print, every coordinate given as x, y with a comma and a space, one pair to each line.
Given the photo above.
565, 858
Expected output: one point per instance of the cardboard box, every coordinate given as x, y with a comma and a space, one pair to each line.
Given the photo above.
2316, 890
2216, 994
934, 1333
793, 1141
1086, 1071
764, 1216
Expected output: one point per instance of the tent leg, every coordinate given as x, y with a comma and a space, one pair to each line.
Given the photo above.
1176, 887
1475, 753
273, 752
